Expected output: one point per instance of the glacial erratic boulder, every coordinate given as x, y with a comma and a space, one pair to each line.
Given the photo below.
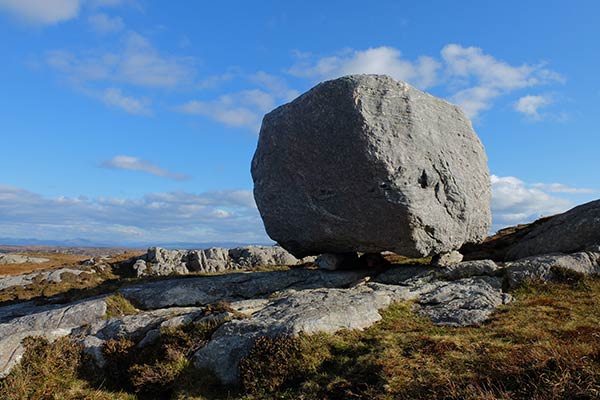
365, 163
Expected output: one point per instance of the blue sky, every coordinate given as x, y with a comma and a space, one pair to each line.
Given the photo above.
134, 121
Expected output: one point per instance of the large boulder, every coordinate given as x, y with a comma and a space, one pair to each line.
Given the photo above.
366, 163
575, 230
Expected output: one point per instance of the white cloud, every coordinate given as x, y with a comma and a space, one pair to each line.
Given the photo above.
377, 60
242, 109
473, 78
115, 98
225, 216
514, 202
530, 105
137, 62
138, 164
487, 77
561, 188
104, 24
42, 12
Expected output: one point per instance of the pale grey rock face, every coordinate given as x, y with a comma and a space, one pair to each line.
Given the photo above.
463, 302
18, 259
159, 261
308, 311
365, 163
447, 259
143, 328
468, 269
49, 322
575, 230
54, 276
541, 267
232, 287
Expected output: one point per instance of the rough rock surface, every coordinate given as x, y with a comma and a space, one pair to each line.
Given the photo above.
232, 287
575, 230
142, 328
18, 259
464, 302
54, 276
159, 261
365, 163
308, 311
282, 303
49, 322
447, 259
543, 267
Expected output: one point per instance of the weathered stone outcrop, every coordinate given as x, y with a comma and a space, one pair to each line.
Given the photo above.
544, 267
19, 259
284, 302
159, 261
48, 322
365, 163
575, 230
54, 276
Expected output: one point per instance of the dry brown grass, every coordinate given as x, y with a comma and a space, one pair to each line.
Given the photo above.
56, 260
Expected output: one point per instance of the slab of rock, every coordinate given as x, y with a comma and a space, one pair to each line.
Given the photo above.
204, 290
50, 323
575, 230
467, 269
463, 302
308, 311
365, 163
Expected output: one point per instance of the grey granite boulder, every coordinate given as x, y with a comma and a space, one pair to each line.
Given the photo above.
575, 230
365, 163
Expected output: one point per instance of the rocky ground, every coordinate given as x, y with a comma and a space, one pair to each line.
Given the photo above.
243, 304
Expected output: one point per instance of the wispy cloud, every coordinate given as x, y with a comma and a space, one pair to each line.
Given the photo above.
138, 164
487, 78
132, 105
243, 109
42, 12
224, 216
472, 78
561, 188
51, 12
530, 105
377, 60
136, 63
104, 24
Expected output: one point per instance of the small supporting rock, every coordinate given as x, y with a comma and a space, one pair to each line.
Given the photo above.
334, 262
447, 259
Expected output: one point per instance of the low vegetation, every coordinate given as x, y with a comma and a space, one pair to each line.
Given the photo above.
546, 345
